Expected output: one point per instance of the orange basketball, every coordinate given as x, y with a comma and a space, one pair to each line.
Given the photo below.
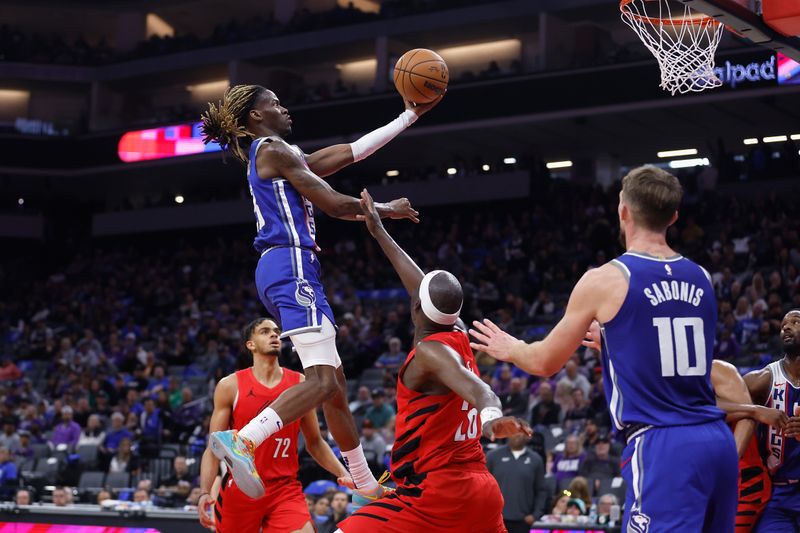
421, 75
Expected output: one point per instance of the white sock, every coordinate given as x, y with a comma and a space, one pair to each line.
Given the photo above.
356, 464
261, 427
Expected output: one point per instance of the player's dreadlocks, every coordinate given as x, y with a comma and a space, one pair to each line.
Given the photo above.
226, 122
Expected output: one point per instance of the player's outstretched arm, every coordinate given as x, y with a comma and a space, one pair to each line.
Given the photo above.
410, 274
328, 160
224, 394
546, 357
278, 159
441, 364
318, 448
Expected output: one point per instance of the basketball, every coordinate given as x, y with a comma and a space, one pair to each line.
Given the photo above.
421, 75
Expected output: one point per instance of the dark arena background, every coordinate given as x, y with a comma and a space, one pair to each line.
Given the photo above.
127, 266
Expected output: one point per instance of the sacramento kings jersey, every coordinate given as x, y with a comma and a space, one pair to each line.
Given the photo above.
284, 217
657, 351
783, 453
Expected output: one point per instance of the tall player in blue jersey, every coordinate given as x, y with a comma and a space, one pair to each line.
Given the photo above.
285, 185
778, 386
658, 316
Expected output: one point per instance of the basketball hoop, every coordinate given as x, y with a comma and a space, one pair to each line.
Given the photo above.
684, 44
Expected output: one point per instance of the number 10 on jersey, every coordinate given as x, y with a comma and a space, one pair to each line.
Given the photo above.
673, 343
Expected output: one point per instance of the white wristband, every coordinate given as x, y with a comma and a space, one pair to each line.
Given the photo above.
490, 413
376, 139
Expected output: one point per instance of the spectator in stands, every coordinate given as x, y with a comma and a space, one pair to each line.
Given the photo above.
574, 378
180, 472
60, 498
581, 411
576, 507
520, 474
9, 370
559, 507
142, 497
189, 414
373, 445
115, 434
68, 431
727, 347
567, 464
394, 357
379, 412
579, 488
8, 469
362, 402
321, 512
339, 503
600, 464
515, 403
125, 460
10, 438
151, 426
22, 497
501, 382
604, 504
93, 434
25, 450
546, 412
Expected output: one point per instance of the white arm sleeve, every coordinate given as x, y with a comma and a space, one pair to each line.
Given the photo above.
372, 141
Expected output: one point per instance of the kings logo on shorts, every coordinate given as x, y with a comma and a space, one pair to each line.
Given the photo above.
305, 294
639, 522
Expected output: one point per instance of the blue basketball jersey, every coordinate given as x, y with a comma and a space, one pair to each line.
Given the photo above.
284, 217
783, 453
657, 351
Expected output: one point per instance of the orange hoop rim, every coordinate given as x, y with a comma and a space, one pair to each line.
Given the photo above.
700, 19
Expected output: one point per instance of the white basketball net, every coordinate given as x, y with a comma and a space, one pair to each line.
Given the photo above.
684, 44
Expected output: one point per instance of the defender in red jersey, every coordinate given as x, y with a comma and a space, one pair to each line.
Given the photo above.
442, 409
238, 398
734, 397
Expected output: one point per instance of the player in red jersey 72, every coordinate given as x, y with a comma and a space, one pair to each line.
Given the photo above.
237, 399
442, 406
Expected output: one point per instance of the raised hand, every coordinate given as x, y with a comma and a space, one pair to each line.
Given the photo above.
421, 109
504, 427
401, 208
493, 340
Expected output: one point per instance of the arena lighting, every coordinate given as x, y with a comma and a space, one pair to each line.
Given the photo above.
21, 201
751, 141
510, 160
775, 139
795, 137
486, 168
500, 51
685, 163
677, 153
558, 164
179, 199
207, 91
451, 171
392, 173
158, 26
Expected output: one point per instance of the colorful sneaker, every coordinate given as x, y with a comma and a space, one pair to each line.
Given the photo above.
360, 500
239, 454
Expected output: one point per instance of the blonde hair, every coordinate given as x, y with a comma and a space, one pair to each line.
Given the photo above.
226, 122
654, 195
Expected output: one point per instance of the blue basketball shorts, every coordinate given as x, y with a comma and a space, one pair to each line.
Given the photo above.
681, 479
782, 513
288, 283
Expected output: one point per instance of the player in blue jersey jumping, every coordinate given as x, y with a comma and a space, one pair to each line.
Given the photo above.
658, 316
778, 386
285, 185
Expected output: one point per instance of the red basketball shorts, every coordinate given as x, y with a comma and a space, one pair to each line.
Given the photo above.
282, 509
462, 498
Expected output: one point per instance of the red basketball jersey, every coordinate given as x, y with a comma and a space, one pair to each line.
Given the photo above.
434, 431
277, 456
